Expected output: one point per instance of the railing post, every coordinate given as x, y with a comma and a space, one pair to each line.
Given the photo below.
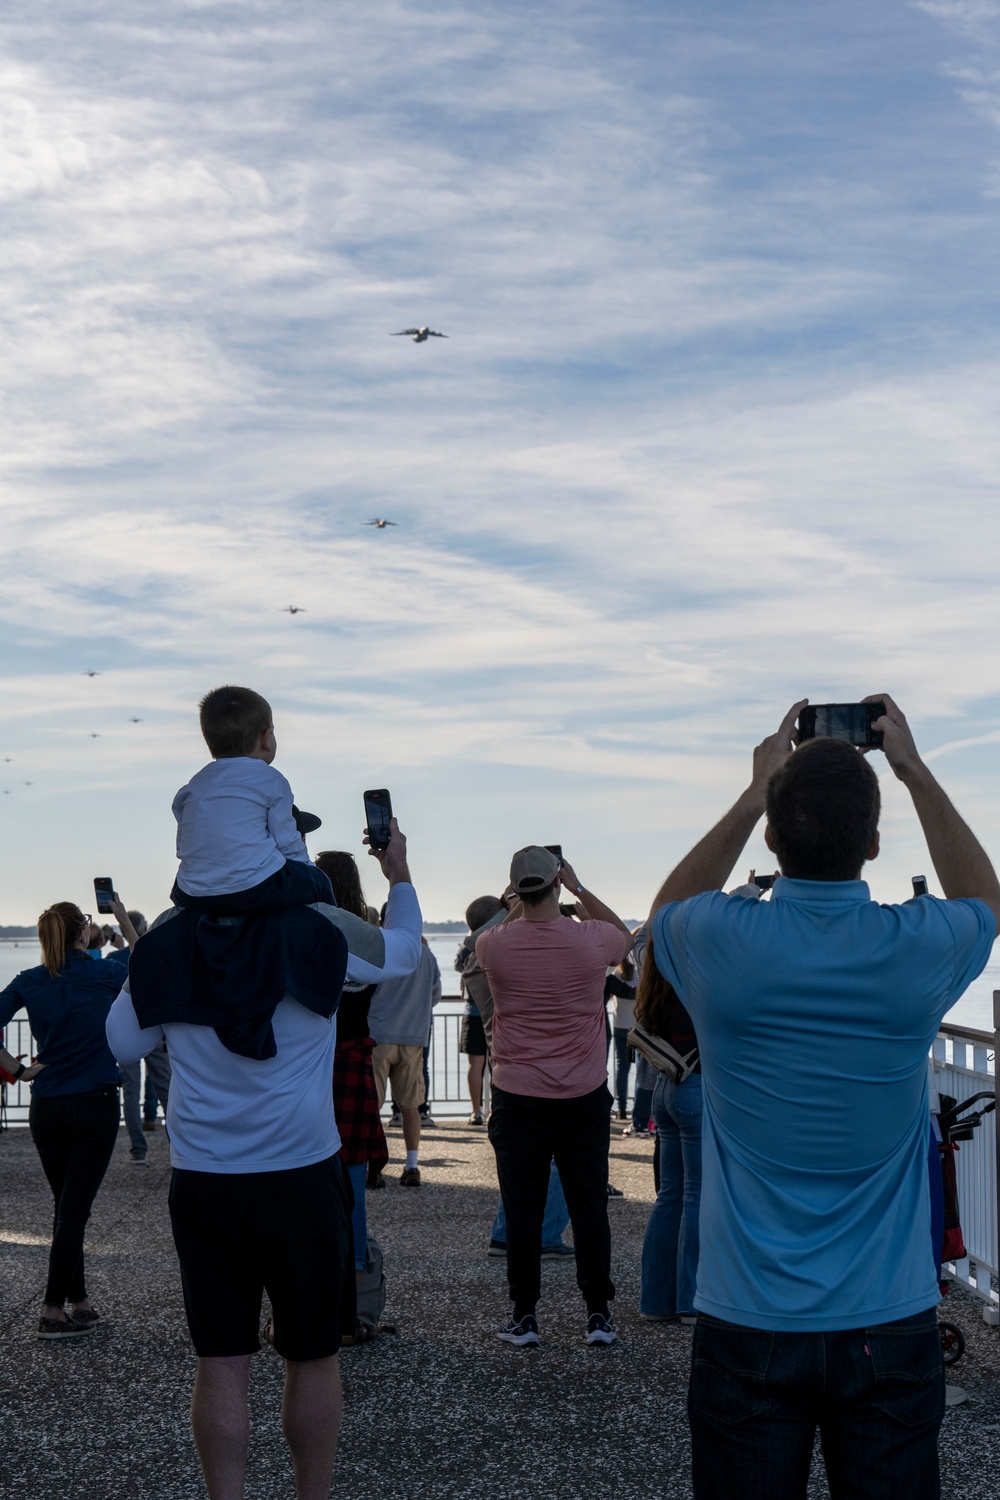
991, 1314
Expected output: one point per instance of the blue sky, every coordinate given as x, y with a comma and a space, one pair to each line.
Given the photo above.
715, 427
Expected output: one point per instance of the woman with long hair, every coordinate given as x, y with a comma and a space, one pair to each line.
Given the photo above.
73, 1115
670, 1244
363, 1148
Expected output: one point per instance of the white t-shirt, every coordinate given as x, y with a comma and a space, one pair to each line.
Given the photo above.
227, 1113
235, 827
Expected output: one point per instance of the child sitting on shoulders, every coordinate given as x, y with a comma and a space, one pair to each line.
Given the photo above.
238, 841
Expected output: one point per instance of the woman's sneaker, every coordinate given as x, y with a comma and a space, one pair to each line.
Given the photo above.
600, 1329
520, 1334
54, 1328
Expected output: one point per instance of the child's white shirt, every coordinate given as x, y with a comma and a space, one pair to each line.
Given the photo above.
235, 827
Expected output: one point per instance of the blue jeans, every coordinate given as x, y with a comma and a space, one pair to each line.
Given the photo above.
297, 883
359, 1218
876, 1394
555, 1220
670, 1245
157, 1068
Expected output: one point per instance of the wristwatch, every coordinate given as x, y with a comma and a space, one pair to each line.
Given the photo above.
21, 1070
579, 890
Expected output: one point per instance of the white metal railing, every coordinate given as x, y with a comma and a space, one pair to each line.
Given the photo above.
964, 1063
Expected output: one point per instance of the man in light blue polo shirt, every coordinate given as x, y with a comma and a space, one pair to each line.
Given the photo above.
815, 1013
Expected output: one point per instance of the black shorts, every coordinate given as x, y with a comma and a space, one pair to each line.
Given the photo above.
286, 1233
473, 1038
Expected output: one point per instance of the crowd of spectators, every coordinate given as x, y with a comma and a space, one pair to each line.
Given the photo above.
781, 1049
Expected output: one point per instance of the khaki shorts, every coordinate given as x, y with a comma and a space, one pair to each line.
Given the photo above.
403, 1066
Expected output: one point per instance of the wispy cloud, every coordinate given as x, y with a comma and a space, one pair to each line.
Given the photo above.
715, 425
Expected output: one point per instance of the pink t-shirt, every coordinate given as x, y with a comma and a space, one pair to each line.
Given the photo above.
547, 981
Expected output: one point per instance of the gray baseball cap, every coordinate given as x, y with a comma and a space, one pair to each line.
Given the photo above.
532, 869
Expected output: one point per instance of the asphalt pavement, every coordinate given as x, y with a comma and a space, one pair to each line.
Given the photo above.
441, 1410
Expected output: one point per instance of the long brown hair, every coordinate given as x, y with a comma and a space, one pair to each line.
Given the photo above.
342, 872
654, 996
59, 926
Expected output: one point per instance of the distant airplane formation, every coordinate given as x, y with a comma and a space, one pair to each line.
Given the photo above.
419, 335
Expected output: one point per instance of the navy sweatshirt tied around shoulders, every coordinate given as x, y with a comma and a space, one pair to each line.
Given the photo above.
231, 973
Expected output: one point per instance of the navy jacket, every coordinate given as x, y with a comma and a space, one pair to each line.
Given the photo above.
67, 1016
231, 973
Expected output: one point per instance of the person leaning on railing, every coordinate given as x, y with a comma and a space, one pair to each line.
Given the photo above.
74, 1098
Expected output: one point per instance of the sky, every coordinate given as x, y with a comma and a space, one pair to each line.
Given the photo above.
715, 426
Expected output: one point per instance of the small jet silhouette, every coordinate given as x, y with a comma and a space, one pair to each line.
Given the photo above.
29, 783
380, 523
94, 735
419, 335
90, 674
294, 609
135, 721
8, 759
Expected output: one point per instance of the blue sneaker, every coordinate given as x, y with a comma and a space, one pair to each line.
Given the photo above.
520, 1334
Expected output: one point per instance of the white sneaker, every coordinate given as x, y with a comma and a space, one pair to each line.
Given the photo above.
600, 1330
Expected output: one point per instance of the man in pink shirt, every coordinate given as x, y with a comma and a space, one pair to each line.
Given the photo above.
550, 1080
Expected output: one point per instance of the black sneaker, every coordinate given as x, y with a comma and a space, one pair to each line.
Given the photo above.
520, 1334
53, 1328
600, 1329
410, 1177
85, 1316
614, 1192
497, 1248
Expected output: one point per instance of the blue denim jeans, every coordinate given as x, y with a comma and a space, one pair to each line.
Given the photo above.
555, 1220
359, 1217
157, 1069
875, 1394
670, 1245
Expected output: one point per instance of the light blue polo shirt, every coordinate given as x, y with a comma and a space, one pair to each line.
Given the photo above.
815, 1012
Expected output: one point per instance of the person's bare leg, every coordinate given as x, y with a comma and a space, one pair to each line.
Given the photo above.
411, 1129
475, 1079
310, 1419
220, 1419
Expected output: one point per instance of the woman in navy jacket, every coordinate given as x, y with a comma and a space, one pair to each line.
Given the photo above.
74, 1097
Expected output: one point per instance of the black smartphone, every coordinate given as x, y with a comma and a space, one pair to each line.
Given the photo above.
378, 812
104, 891
555, 849
842, 721
764, 881
919, 884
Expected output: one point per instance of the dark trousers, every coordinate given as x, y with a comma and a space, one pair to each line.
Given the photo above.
297, 883
526, 1133
74, 1135
756, 1400
622, 1069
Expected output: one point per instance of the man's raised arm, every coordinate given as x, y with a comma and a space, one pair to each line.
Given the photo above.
962, 864
709, 864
